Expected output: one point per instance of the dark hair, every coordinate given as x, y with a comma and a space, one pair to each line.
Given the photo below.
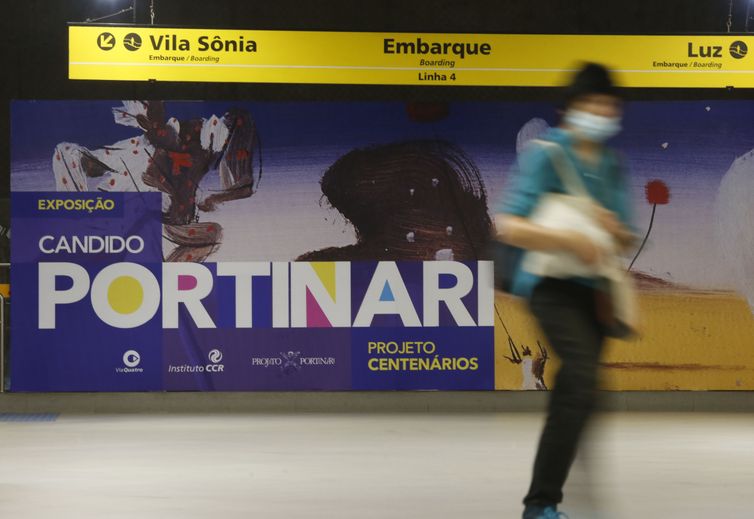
591, 79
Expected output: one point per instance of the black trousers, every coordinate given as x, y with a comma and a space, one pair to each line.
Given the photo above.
566, 311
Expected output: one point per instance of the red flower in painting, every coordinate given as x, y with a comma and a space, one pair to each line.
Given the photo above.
657, 192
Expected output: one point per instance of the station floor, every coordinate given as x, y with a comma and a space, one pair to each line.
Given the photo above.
346, 466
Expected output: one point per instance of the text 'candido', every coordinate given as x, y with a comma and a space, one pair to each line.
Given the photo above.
298, 294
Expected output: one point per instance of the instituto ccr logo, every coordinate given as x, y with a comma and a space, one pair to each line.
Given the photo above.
131, 358
215, 356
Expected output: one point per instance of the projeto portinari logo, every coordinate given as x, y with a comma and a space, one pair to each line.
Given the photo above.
131, 361
290, 362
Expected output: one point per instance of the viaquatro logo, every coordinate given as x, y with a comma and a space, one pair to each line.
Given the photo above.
131, 358
131, 361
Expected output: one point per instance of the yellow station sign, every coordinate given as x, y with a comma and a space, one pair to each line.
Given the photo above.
137, 53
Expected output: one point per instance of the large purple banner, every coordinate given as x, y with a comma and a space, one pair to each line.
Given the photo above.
139, 264
102, 311
233, 245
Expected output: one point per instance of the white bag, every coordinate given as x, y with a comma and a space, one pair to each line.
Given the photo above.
575, 211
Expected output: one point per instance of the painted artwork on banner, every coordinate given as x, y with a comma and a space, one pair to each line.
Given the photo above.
337, 246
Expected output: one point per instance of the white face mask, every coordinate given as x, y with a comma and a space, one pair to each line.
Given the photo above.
596, 128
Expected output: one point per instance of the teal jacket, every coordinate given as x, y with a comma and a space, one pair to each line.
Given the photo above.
535, 175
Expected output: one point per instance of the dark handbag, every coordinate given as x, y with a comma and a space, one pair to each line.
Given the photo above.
614, 322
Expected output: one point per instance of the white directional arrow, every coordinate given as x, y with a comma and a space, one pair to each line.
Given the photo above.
106, 41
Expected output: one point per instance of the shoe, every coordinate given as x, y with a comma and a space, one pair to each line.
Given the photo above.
548, 512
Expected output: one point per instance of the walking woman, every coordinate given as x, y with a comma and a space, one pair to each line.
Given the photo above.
569, 310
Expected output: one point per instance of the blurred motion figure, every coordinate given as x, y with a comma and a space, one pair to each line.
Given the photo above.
570, 310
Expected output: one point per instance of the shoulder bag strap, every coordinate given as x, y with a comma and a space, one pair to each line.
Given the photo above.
565, 169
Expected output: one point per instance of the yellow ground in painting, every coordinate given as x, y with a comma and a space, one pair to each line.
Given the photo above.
690, 341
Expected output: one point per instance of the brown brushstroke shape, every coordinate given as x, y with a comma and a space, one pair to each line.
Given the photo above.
427, 189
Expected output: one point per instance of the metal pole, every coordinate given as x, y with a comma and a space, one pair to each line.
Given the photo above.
122, 11
729, 23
